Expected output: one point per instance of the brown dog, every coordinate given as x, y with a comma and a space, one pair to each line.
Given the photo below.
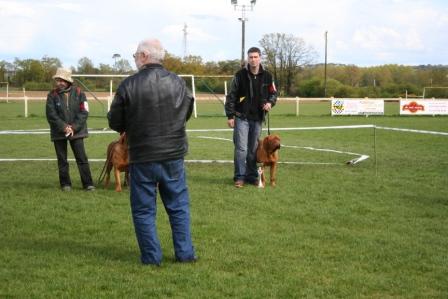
267, 153
117, 158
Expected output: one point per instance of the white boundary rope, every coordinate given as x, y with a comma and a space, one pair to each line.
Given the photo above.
413, 131
361, 157
107, 131
186, 161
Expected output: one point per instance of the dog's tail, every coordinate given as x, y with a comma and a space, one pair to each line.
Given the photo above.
123, 139
107, 165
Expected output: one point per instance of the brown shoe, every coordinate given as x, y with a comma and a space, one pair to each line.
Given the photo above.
239, 184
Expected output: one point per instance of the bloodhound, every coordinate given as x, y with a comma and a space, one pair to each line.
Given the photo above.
117, 158
267, 154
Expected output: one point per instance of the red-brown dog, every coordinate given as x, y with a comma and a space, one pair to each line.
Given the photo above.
117, 158
267, 153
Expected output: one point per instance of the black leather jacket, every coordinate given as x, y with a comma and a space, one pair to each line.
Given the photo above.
152, 107
241, 93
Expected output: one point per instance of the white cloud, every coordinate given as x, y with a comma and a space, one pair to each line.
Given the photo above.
17, 27
359, 31
375, 37
15, 9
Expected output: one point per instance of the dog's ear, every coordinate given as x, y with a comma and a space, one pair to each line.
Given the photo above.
266, 144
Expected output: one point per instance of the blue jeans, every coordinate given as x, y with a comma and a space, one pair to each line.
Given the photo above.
245, 138
169, 178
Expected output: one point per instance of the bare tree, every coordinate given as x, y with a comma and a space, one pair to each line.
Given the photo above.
284, 55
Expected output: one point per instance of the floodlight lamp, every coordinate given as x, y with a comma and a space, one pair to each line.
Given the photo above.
252, 2
234, 2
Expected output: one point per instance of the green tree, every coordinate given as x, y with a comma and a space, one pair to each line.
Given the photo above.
172, 63
85, 66
284, 56
193, 65
123, 66
312, 88
28, 70
49, 66
6, 71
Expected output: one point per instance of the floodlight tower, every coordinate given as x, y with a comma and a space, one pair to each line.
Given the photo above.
243, 8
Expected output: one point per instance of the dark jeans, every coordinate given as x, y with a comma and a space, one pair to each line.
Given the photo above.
79, 152
167, 177
245, 139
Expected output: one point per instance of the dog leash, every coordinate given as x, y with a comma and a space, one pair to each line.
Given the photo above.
269, 127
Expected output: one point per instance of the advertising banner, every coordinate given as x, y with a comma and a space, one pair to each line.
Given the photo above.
424, 107
357, 107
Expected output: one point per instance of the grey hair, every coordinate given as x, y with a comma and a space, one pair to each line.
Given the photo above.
154, 48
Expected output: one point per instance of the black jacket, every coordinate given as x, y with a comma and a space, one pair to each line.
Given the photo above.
152, 107
241, 94
67, 108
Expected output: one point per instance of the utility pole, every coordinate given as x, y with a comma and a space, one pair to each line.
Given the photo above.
325, 68
243, 8
185, 40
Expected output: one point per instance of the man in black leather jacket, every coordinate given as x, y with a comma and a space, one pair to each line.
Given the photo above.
152, 107
252, 95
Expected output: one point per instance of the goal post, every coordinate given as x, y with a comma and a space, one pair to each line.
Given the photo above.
7, 90
428, 88
109, 99
213, 89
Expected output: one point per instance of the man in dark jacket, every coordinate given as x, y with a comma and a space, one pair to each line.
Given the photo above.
67, 111
252, 95
152, 107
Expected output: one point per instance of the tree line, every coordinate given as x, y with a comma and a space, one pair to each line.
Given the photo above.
291, 61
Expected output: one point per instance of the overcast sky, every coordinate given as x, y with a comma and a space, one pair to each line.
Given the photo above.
360, 32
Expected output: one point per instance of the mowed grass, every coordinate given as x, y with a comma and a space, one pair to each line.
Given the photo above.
378, 229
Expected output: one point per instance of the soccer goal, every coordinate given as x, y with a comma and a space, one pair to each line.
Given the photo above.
435, 92
78, 77
208, 90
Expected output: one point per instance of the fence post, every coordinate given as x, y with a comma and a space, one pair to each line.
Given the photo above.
7, 92
331, 106
25, 98
195, 113
297, 106
225, 95
109, 100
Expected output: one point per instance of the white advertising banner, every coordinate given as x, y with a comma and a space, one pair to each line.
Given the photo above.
424, 107
357, 107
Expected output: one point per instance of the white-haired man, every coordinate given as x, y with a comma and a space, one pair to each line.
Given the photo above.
152, 107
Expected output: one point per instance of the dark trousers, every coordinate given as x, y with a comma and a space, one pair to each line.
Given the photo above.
79, 152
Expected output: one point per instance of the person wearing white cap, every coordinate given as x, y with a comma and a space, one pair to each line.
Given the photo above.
67, 111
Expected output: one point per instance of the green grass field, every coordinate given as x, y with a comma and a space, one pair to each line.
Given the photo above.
378, 229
